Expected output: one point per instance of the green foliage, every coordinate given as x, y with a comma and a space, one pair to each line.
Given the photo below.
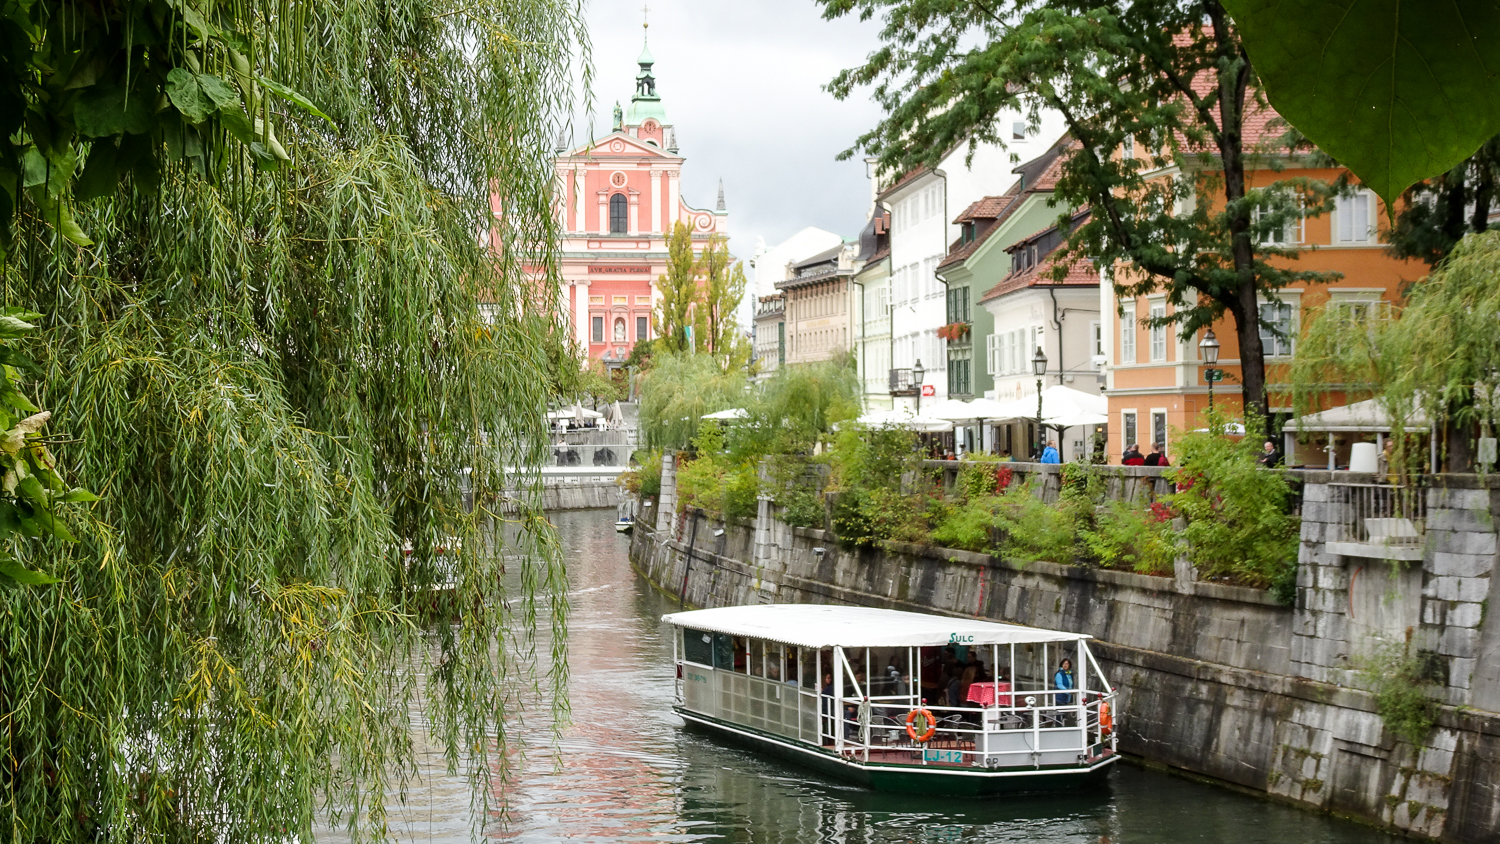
802, 508
1401, 685
1427, 78
868, 458
971, 525
278, 388
864, 517
723, 287
31, 486
1236, 512
644, 480
798, 406
720, 485
95, 92
1036, 530
679, 293
1436, 214
1117, 73
1125, 536
677, 392
1439, 359
978, 477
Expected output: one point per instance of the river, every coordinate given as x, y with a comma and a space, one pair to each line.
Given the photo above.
626, 771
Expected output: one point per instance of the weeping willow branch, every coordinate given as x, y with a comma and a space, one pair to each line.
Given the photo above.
285, 395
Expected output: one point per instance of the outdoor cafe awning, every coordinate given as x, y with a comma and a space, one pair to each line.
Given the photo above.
1362, 417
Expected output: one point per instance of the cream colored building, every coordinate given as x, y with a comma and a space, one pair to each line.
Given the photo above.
820, 305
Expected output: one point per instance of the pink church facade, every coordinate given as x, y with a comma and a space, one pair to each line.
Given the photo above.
620, 196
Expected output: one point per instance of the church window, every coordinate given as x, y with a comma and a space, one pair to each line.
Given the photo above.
619, 214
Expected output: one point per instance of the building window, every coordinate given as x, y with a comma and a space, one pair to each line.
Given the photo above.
780, 344
1096, 331
598, 329
1127, 150
958, 304
1276, 327
1286, 235
1158, 333
642, 327
959, 382
1127, 429
1159, 429
1127, 334
619, 329
1353, 222
619, 214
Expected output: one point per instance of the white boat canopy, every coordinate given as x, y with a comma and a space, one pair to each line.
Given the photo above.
827, 625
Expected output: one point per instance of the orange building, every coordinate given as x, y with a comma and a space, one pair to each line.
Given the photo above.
1155, 381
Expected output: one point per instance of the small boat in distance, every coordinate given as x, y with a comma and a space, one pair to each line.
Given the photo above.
624, 524
625, 517
899, 701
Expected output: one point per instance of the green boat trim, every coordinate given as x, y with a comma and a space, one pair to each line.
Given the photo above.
910, 778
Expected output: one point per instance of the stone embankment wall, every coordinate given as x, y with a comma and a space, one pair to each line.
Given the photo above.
1215, 679
576, 493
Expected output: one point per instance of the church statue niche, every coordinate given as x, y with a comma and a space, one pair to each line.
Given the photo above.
619, 330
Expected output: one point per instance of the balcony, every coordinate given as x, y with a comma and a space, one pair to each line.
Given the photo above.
1378, 521
902, 383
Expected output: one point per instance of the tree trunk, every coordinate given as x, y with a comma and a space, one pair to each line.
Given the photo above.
1243, 306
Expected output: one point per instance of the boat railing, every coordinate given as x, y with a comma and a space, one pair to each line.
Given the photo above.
1025, 728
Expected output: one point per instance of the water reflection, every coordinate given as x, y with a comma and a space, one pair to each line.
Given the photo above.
626, 771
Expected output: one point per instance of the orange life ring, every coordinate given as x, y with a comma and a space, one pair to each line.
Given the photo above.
911, 719
1106, 720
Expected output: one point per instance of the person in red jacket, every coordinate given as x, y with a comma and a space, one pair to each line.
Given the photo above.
1132, 456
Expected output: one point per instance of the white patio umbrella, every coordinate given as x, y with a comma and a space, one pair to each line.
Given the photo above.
953, 410
982, 408
905, 419
1082, 417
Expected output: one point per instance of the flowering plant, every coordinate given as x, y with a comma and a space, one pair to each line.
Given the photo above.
954, 331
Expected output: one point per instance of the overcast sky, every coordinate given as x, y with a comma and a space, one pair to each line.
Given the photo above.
743, 85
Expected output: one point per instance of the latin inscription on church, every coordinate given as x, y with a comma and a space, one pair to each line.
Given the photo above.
643, 270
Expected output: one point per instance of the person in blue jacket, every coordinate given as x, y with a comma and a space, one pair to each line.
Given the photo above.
1063, 679
1049, 454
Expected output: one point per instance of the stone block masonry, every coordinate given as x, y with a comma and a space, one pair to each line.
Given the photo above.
1214, 679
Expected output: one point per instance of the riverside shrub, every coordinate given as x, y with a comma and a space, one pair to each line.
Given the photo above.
1236, 512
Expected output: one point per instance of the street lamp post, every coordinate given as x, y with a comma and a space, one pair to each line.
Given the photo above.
1039, 368
917, 374
1209, 347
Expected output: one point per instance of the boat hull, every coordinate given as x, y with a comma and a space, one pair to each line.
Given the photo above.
909, 779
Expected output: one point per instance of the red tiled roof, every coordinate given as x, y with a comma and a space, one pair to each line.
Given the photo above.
880, 255
1007, 205
1081, 273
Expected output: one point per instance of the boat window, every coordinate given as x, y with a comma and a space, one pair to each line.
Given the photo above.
741, 655
697, 646
809, 662
724, 651
757, 664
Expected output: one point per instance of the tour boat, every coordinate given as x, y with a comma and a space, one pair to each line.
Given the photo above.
854, 692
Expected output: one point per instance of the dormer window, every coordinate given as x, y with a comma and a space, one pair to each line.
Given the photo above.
968, 232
